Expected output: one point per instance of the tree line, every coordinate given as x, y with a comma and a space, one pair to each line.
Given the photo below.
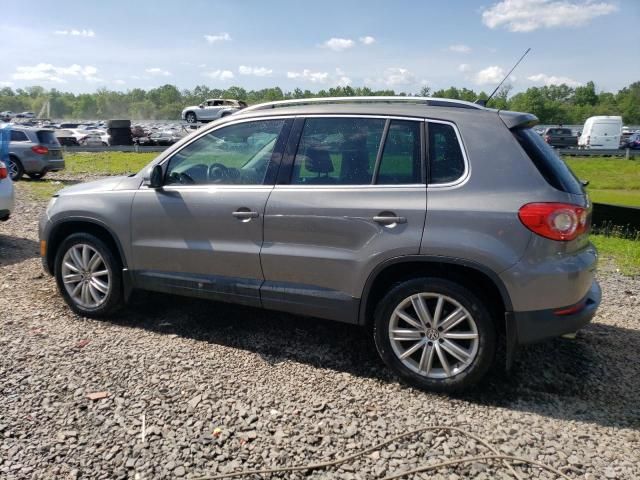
555, 104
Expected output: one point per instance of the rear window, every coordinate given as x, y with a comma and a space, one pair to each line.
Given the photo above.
47, 137
552, 168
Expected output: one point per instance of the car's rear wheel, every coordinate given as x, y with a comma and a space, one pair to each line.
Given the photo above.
190, 117
16, 170
89, 275
435, 334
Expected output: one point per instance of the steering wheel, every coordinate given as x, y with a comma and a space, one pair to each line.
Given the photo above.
217, 171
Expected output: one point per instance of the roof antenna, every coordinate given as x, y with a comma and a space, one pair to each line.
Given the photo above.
484, 102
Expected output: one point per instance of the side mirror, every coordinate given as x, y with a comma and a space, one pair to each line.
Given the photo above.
201, 105
155, 179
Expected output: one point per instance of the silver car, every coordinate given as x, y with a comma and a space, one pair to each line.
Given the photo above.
212, 110
443, 227
6, 193
34, 151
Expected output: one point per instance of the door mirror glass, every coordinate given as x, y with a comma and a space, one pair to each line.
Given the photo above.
201, 105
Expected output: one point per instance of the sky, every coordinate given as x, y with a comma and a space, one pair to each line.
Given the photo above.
81, 46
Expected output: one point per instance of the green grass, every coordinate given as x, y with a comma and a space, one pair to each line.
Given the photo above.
611, 180
40, 189
107, 163
624, 252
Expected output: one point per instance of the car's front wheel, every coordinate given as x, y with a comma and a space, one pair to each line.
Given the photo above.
435, 334
190, 117
89, 275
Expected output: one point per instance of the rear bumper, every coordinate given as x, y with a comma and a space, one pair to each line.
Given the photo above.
535, 326
54, 165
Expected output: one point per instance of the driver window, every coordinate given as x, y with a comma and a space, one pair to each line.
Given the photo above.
235, 155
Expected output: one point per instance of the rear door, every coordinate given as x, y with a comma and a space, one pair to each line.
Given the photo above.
350, 194
201, 234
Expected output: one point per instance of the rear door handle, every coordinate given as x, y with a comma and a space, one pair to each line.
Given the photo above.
389, 220
245, 214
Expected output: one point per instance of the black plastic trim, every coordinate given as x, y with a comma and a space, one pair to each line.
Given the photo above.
538, 325
504, 294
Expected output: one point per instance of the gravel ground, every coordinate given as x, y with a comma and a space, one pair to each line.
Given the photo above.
220, 388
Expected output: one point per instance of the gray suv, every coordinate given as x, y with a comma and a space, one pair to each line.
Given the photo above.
446, 228
34, 151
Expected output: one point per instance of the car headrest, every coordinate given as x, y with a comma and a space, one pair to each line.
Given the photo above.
318, 161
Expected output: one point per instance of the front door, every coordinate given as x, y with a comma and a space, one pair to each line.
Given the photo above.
354, 196
201, 233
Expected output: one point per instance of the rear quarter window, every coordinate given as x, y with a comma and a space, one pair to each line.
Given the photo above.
551, 167
446, 161
47, 137
17, 136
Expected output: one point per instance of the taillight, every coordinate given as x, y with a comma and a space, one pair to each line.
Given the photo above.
556, 221
4, 173
40, 149
547, 138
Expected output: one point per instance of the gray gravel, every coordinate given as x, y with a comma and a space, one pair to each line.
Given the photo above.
219, 388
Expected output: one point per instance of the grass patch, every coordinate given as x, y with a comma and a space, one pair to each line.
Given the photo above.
41, 189
624, 252
611, 180
107, 163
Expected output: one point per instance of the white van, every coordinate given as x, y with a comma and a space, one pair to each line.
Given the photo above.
601, 132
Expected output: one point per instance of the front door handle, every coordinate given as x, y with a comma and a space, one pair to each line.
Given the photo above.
245, 214
389, 219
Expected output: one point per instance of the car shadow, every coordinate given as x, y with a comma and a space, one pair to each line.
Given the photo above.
16, 249
588, 379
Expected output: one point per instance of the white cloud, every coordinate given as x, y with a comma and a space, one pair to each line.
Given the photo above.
221, 37
47, 72
343, 81
490, 75
220, 75
76, 33
367, 40
306, 74
529, 15
119, 82
553, 80
464, 67
339, 44
5, 84
460, 48
158, 72
398, 76
255, 71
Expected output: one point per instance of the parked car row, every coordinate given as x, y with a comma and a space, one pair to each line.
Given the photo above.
8, 115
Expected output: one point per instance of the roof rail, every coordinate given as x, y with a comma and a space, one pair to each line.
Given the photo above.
428, 101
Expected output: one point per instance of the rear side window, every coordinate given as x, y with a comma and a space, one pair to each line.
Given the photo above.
46, 137
446, 161
401, 157
337, 151
17, 136
552, 168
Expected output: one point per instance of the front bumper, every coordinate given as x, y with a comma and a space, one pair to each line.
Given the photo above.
537, 325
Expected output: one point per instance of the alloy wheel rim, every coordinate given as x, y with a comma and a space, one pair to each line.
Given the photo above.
85, 276
13, 169
433, 335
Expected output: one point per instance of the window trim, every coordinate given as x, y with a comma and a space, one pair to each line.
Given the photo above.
286, 170
465, 174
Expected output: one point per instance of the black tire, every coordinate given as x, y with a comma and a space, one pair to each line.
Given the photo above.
486, 334
191, 117
36, 175
114, 298
118, 123
16, 170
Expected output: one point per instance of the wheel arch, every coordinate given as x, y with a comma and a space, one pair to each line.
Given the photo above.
63, 229
468, 273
